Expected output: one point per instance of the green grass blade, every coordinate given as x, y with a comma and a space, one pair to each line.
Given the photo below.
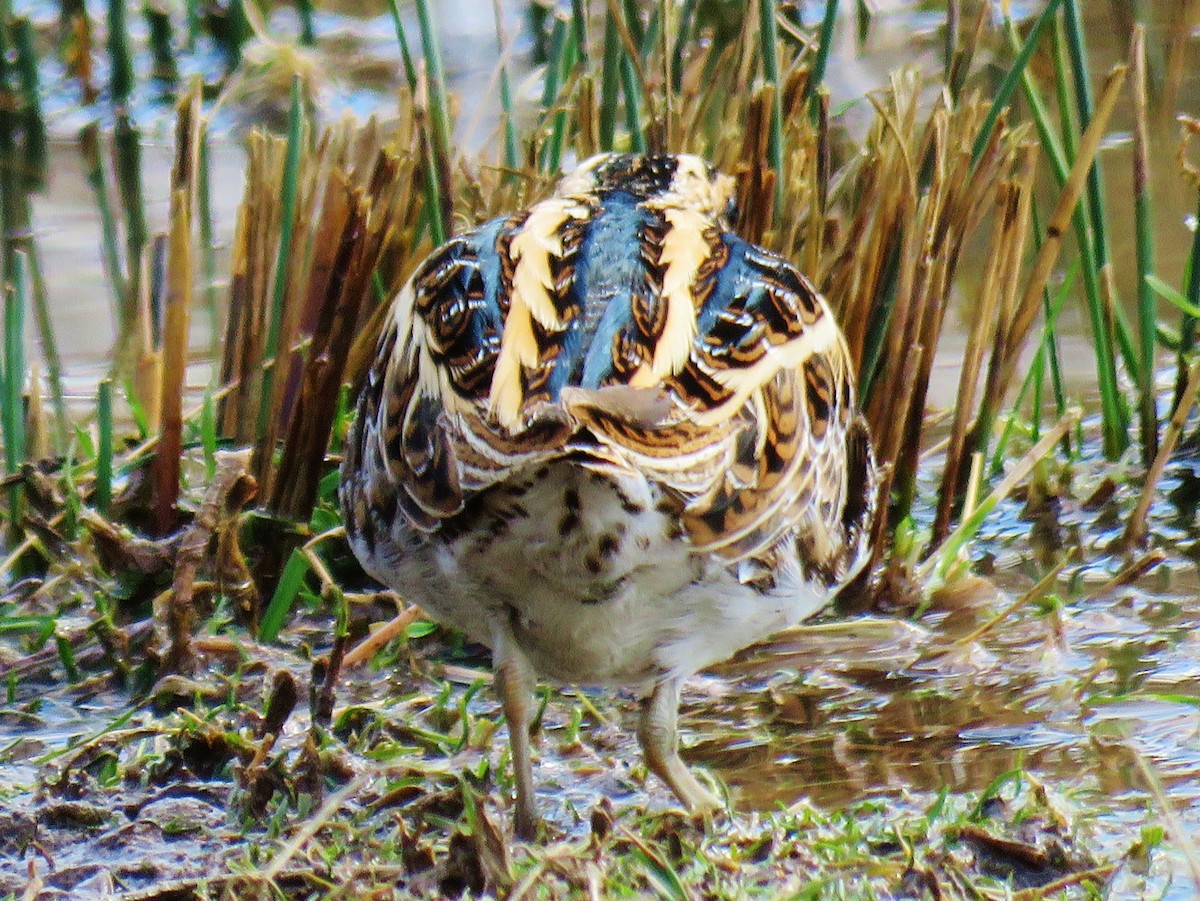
410, 70
308, 34
1085, 106
15, 298
816, 76
1011, 77
687, 15
89, 146
282, 601
579, 29
104, 446
769, 51
120, 61
434, 216
1143, 223
287, 225
439, 111
1046, 348
511, 154
1187, 326
610, 84
192, 21
1172, 295
562, 54
1060, 153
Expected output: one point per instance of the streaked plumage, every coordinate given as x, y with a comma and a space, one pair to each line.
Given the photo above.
612, 441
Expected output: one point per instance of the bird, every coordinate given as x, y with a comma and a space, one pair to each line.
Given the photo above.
615, 443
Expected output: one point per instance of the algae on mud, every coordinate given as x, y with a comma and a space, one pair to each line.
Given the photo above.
1054, 753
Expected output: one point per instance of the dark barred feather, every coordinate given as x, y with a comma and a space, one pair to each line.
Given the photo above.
620, 323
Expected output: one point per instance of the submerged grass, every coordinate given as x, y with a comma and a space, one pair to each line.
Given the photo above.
333, 219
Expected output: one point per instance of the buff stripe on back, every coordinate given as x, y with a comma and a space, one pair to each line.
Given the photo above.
534, 290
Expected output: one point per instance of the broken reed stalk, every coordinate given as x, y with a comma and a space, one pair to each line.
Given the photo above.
916, 197
358, 249
208, 249
1012, 207
229, 491
1135, 529
37, 426
151, 302
180, 279
355, 214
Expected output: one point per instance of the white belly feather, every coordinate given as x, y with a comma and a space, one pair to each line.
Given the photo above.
596, 584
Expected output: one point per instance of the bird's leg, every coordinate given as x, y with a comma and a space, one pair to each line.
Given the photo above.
657, 732
515, 683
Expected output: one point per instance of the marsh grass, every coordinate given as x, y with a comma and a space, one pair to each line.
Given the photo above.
334, 217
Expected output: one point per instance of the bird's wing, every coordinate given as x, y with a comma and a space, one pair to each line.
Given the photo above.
425, 433
755, 437
728, 381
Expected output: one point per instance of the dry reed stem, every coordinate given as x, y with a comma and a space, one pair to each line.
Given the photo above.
1135, 529
357, 211
173, 618
37, 426
1184, 838
1027, 307
365, 233
916, 198
1012, 478
1130, 572
393, 628
983, 331
1187, 14
1039, 590
318, 821
170, 446
177, 315
1008, 240
148, 368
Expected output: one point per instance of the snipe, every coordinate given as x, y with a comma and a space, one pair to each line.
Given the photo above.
612, 441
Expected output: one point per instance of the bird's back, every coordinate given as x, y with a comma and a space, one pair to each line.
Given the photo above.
622, 326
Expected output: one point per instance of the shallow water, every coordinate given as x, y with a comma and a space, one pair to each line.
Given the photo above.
1072, 696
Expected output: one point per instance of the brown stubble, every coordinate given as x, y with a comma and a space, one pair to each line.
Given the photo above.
177, 316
